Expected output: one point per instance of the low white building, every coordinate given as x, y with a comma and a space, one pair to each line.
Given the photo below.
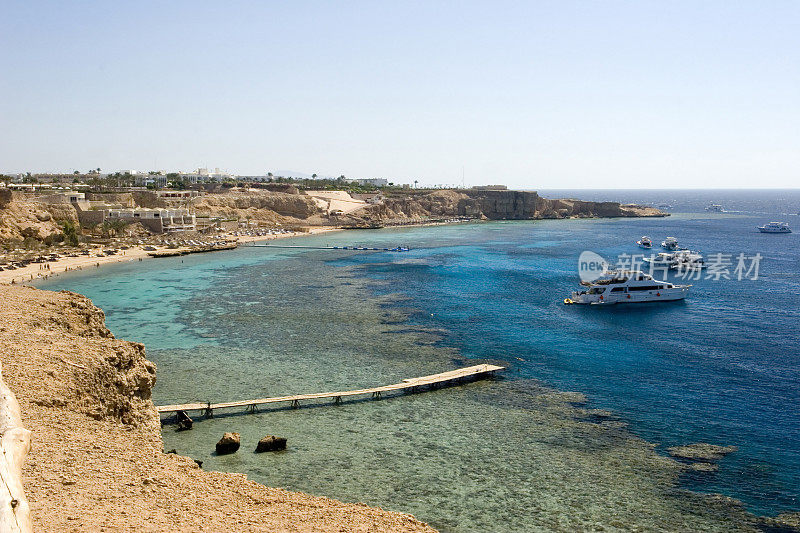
64, 197
157, 220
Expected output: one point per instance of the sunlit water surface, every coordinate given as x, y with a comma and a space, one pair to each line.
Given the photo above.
509, 454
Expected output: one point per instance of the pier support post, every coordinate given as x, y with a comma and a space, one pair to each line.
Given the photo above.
209, 412
295, 403
337, 400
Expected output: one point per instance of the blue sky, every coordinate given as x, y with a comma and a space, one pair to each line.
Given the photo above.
531, 94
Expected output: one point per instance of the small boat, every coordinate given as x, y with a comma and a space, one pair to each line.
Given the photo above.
670, 243
775, 227
645, 242
628, 286
716, 208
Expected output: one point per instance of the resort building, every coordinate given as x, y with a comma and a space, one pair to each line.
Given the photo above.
65, 197
156, 220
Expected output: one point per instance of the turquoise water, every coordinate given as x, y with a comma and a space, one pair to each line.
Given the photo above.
504, 455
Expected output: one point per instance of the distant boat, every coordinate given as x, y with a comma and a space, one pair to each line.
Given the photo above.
670, 243
688, 260
664, 206
628, 287
661, 261
775, 227
645, 242
714, 207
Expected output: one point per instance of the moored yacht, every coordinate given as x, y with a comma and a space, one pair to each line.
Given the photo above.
628, 286
670, 243
775, 227
661, 261
645, 242
688, 260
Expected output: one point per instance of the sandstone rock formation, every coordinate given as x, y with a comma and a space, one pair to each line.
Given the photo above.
493, 205
21, 219
271, 443
229, 443
259, 205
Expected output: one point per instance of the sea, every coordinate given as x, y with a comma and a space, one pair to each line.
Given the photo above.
572, 436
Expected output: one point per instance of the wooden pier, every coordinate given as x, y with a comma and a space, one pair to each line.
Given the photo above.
357, 248
411, 385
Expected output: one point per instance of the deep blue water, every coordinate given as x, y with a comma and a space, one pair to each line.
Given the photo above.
722, 367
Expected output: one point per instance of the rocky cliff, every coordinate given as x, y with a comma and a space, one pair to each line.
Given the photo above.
259, 205
21, 219
97, 461
493, 205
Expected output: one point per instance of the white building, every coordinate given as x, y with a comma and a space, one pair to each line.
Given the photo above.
157, 220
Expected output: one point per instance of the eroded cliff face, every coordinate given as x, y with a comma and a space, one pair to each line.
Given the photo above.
21, 219
110, 379
260, 205
493, 205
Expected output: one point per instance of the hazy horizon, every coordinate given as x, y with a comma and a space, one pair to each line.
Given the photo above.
570, 95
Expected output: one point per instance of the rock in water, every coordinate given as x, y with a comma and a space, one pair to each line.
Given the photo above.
229, 443
271, 443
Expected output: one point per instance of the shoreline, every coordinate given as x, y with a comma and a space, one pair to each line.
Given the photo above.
35, 272
261, 238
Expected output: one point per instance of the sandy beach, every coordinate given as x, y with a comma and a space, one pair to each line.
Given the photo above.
36, 271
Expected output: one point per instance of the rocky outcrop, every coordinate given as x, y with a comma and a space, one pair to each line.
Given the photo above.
493, 205
113, 380
229, 443
22, 219
271, 443
5, 197
259, 205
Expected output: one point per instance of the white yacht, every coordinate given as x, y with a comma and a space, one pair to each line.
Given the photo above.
775, 227
670, 243
645, 242
661, 261
627, 286
715, 208
688, 260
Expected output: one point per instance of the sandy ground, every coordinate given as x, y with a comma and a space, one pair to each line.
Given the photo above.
336, 200
97, 461
36, 271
